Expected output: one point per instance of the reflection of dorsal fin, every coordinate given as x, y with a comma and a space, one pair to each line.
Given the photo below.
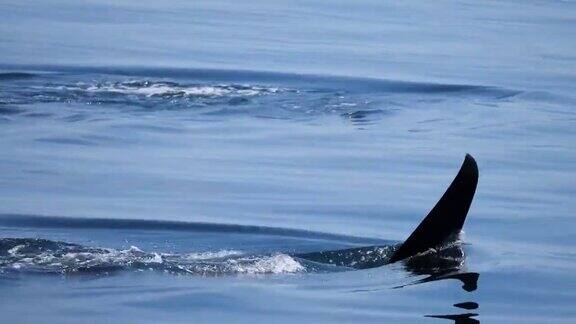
447, 217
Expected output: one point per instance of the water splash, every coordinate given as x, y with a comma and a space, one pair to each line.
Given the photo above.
361, 101
19, 255
172, 89
145, 93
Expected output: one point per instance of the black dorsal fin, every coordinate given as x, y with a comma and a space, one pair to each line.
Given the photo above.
447, 217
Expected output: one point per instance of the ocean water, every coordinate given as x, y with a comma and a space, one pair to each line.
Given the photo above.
168, 161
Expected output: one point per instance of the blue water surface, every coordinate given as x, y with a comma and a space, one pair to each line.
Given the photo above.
168, 161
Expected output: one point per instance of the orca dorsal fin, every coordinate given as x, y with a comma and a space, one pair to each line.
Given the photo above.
447, 217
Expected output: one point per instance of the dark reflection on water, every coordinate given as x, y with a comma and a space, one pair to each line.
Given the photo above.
469, 279
467, 305
446, 264
458, 318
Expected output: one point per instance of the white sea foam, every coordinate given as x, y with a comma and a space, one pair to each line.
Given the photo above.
165, 89
278, 263
14, 251
211, 255
64, 258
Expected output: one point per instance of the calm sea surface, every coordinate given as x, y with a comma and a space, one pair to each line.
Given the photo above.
165, 160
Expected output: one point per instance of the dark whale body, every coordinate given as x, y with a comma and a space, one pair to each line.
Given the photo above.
442, 224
